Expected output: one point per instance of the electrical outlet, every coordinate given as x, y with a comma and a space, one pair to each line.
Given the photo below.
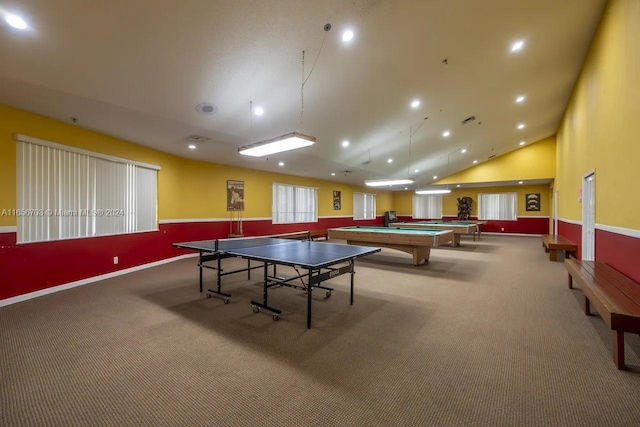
115, 260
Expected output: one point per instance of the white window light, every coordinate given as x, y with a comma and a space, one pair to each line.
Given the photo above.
289, 141
383, 182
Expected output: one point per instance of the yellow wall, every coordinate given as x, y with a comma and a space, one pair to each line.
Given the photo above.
186, 188
533, 161
403, 200
600, 130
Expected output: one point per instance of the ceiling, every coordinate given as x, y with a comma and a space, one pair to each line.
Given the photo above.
137, 70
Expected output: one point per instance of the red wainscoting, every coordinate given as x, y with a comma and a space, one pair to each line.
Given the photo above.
620, 252
32, 267
573, 232
524, 225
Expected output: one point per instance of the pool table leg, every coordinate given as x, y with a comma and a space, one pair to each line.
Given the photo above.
420, 253
456, 240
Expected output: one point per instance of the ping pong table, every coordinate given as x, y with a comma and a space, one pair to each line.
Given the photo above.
322, 261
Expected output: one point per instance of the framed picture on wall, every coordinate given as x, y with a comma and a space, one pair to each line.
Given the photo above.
337, 204
533, 202
235, 195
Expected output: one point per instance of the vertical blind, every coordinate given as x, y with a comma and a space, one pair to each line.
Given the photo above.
67, 193
294, 204
364, 206
427, 207
498, 206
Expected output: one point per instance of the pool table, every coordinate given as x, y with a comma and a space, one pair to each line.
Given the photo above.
459, 228
414, 241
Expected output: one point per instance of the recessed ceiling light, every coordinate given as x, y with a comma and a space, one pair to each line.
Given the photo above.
519, 182
193, 147
406, 188
457, 185
280, 163
415, 103
520, 99
517, 46
416, 171
333, 174
389, 160
475, 161
258, 111
347, 36
345, 143
521, 126
521, 142
435, 176
464, 150
446, 133
16, 22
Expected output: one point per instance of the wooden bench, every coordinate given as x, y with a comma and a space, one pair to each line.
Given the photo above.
552, 244
615, 296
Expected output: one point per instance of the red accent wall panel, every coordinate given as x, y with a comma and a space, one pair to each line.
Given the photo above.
573, 232
32, 267
620, 252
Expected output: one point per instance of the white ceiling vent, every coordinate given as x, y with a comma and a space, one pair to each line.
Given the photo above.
207, 108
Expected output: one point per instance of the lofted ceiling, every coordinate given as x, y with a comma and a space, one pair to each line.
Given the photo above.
137, 69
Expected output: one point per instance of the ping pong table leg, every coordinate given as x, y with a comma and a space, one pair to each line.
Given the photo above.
201, 267
309, 295
353, 272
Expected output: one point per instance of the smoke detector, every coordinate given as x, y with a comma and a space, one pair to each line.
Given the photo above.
197, 138
207, 108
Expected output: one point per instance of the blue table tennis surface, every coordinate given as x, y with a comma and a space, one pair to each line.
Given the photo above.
306, 254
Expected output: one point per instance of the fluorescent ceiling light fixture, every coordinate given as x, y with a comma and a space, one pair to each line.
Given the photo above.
415, 103
289, 141
433, 191
389, 160
520, 99
517, 46
345, 143
446, 133
383, 182
521, 126
347, 36
16, 22
193, 147
258, 111
475, 161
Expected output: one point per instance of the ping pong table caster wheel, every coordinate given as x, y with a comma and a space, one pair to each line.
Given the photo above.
226, 300
328, 294
275, 317
208, 295
256, 309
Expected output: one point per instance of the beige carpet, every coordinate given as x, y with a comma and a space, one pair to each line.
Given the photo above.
483, 335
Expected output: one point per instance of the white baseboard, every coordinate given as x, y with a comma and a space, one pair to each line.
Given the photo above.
512, 234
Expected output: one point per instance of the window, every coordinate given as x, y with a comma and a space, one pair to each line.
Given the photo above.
501, 206
66, 193
428, 207
292, 204
364, 206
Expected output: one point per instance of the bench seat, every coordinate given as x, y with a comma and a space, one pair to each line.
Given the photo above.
615, 296
553, 243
